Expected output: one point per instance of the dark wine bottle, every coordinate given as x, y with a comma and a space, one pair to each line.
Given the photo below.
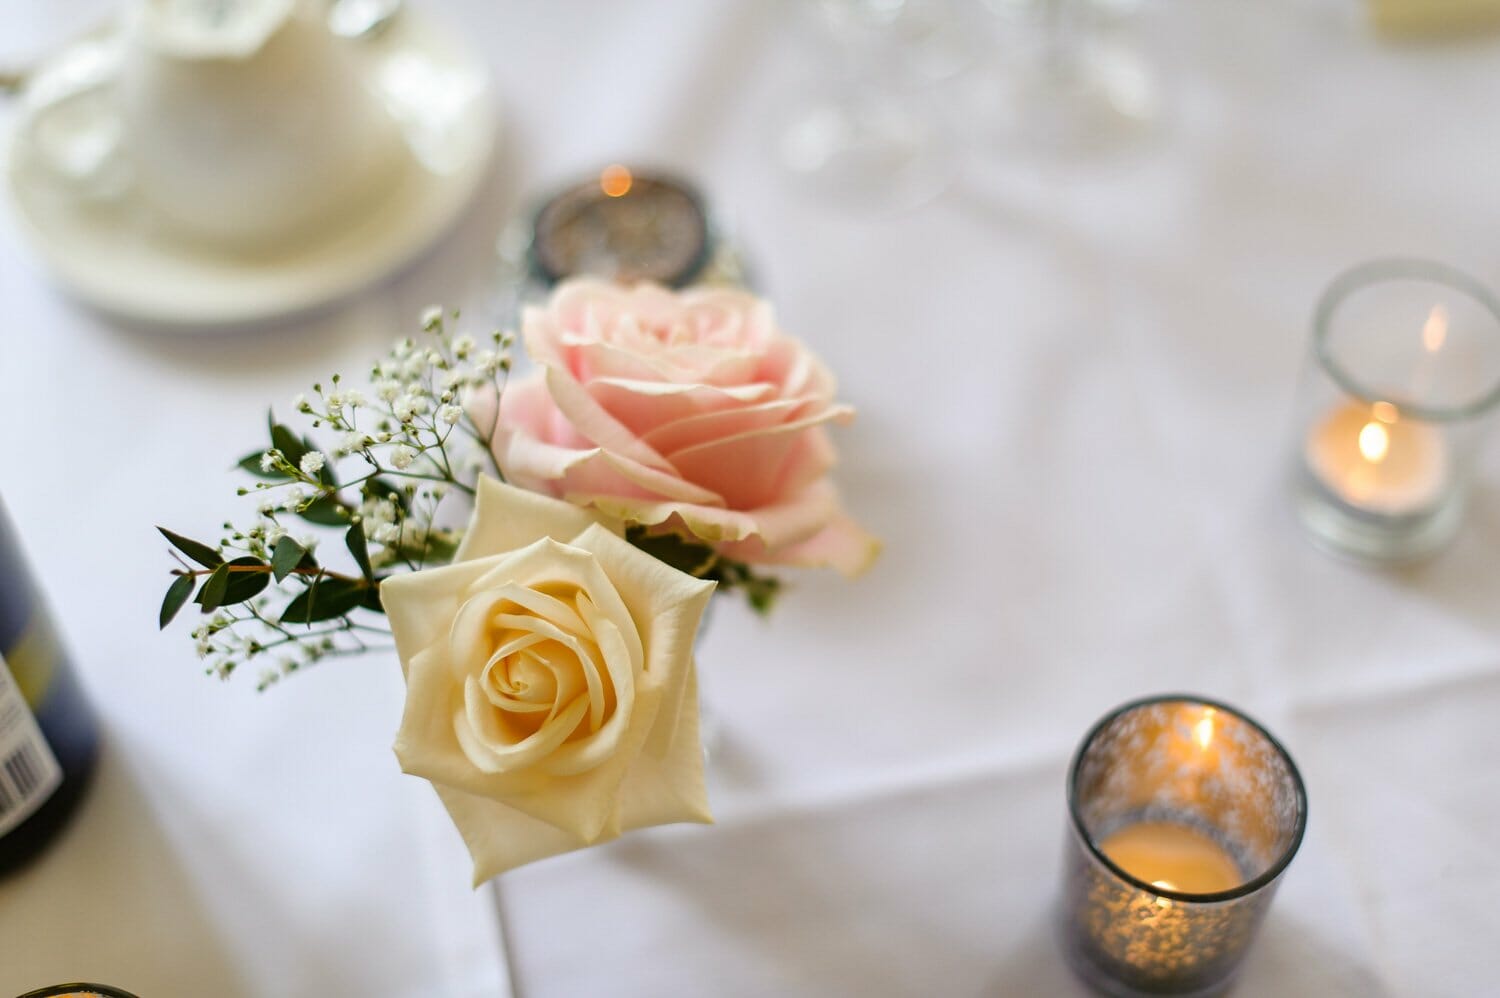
49, 736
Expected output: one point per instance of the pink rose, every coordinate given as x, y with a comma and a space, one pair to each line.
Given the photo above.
686, 410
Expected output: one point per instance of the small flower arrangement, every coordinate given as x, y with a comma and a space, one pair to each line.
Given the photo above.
664, 445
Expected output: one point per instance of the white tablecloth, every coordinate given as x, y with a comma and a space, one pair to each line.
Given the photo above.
1075, 383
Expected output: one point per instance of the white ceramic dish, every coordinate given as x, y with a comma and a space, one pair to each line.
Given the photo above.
117, 257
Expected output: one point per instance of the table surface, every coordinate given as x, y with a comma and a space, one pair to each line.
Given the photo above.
1075, 380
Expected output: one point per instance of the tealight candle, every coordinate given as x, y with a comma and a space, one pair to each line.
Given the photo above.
1406, 368
1184, 815
1373, 460
1176, 857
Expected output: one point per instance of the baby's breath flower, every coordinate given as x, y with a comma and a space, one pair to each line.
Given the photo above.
312, 462
432, 318
300, 403
386, 533
388, 391
268, 460
463, 346
402, 456
450, 414
408, 406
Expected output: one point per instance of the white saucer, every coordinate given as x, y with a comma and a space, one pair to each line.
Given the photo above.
116, 257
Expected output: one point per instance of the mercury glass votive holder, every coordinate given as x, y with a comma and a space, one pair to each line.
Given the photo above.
1400, 389
79, 990
1184, 814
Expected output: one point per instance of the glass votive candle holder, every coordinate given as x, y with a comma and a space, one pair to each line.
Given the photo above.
1400, 389
1184, 814
79, 990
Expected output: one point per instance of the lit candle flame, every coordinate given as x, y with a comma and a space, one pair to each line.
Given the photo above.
1374, 441
615, 181
1435, 329
1203, 731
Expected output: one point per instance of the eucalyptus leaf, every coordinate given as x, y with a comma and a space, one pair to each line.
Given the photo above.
251, 463
354, 539
372, 599
211, 596
285, 557
380, 488
326, 511
199, 552
286, 441
177, 594
686, 556
238, 586
325, 599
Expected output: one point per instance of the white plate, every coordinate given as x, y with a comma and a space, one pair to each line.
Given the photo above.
115, 256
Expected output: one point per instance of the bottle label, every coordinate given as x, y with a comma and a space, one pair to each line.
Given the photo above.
29, 773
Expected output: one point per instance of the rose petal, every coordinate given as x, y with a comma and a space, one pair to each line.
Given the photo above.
500, 838
647, 405
588, 418
720, 465
507, 518
667, 786
842, 544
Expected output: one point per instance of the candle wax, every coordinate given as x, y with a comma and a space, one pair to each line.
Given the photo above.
1173, 856
1374, 459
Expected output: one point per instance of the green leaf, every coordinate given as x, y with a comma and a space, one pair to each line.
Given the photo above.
762, 591
286, 441
285, 557
692, 557
324, 600
354, 539
372, 598
238, 586
326, 511
325, 474
212, 593
243, 585
251, 463
201, 553
439, 550
380, 488
177, 594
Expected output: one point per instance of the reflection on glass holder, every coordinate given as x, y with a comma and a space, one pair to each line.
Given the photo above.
78, 990
1184, 815
1400, 389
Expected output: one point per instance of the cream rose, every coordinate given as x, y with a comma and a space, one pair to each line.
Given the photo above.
551, 696
689, 410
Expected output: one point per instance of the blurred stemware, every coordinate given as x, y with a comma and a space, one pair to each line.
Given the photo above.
874, 134
1068, 86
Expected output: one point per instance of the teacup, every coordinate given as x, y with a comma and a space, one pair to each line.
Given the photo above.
239, 124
